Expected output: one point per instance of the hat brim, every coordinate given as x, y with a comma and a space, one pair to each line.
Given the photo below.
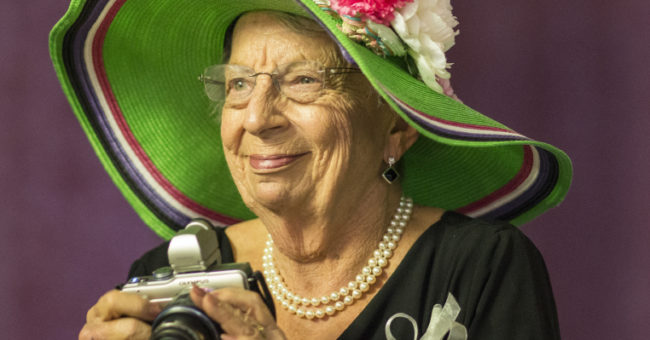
129, 69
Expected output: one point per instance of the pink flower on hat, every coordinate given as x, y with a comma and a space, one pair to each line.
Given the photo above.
379, 11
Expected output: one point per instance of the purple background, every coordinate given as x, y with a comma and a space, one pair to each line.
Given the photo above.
572, 73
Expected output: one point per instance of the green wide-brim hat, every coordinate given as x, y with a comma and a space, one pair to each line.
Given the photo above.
129, 69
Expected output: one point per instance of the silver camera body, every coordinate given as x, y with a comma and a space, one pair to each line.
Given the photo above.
194, 259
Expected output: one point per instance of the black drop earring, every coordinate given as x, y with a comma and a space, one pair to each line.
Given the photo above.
390, 174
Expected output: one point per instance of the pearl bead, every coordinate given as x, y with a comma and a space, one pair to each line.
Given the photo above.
297, 299
319, 313
360, 278
352, 285
315, 302
365, 270
305, 301
285, 304
292, 309
348, 300
356, 294
382, 245
325, 299
391, 245
290, 295
329, 310
372, 262
386, 238
339, 305
343, 291
364, 287
382, 262
376, 253
394, 237
387, 253
371, 279
300, 312
376, 271
334, 296
309, 314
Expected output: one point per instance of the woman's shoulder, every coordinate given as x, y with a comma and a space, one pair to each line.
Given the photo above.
456, 238
247, 240
444, 229
456, 228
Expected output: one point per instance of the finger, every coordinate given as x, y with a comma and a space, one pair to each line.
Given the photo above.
197, 294
124, 328
116, 304
248, 301
242, 314
229, 318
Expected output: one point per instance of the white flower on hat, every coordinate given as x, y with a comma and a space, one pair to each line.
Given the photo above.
427, 27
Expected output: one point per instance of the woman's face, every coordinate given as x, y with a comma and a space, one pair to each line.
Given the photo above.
282, 152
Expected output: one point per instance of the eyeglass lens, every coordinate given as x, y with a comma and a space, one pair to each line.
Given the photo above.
233, 84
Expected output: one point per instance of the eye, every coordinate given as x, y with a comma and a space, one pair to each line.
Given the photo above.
309, 79
305, 80
238, 84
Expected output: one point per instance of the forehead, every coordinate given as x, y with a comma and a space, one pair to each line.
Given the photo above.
272, 38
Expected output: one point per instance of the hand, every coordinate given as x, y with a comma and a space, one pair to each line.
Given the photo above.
241, 313
119, 315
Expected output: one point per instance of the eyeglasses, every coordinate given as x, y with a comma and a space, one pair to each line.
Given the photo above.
302, 81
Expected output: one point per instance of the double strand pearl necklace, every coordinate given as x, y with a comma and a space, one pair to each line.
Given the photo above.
330, 304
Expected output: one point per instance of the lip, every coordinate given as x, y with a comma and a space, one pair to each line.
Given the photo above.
272, 162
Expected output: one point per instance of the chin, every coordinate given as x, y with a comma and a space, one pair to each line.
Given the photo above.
269, 195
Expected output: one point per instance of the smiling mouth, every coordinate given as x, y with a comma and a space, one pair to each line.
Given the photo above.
270, 162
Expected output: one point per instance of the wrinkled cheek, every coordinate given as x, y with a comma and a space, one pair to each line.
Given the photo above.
227, 137
335, 159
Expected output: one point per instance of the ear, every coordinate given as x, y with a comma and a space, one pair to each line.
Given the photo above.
401, 138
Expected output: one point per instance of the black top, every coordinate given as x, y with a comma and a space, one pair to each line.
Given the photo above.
492, 269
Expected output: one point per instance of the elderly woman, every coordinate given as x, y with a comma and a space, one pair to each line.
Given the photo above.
316, 103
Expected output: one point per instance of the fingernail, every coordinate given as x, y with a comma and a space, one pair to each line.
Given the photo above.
198, 291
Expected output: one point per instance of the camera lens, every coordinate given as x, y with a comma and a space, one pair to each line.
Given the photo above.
181, 320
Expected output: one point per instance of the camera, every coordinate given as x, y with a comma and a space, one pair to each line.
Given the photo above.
194, 259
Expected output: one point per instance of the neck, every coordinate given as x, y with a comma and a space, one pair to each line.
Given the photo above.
321, 250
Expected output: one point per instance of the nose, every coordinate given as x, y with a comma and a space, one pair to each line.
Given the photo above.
263, 114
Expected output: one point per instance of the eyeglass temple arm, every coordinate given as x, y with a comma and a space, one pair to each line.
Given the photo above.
205, 79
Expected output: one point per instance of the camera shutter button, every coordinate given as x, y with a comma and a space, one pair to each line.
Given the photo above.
162, 273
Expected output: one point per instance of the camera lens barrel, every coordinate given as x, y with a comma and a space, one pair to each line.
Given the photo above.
181, 320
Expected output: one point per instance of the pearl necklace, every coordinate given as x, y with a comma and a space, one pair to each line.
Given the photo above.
336, 301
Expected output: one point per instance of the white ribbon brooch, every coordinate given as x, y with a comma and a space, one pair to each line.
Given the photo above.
443, 321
